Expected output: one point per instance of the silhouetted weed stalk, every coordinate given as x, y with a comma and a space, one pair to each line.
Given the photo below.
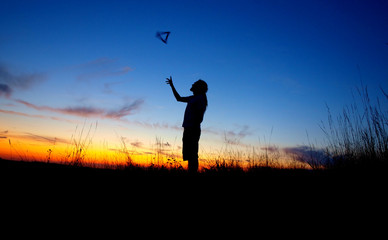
358, 138
235, 158
76, 153
125, 151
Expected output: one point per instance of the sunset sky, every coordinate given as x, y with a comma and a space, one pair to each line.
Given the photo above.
271, 67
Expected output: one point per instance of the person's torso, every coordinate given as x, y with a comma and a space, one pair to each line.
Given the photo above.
195, 110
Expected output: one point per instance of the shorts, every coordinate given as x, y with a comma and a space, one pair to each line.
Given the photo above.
190, 143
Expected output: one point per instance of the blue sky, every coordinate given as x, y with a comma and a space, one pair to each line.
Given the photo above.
269, 65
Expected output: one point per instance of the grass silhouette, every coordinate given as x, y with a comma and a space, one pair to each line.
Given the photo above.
356, 141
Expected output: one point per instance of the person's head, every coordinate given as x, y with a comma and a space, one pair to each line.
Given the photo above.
199, 87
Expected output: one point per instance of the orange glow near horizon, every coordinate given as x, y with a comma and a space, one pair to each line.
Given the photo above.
94, 145
93, 155
105, 157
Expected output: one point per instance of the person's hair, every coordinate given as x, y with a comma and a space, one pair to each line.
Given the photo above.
201, 86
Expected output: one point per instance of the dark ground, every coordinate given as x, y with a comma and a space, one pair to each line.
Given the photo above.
70, 197
13, 172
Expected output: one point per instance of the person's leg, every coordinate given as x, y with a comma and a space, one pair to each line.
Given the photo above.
186, 144
193, 165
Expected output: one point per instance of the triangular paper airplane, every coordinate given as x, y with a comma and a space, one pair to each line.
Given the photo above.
160, 34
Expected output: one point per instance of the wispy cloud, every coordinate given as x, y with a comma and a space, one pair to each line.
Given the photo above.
240, 132
103, 73
271, 149
101, 68
36, 116
137, 144
234, 136
127, 109
3, 134
33, 137
10, 81
40, 138
307, 154
5, 90
96, 62
108, 86
82, 111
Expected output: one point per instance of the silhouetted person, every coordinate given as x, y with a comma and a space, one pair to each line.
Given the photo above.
195, 109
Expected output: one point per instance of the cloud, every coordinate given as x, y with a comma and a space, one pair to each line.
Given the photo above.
79, 111
127, 109
240, 133
101, 68
234, 137
97, 62
302, 151
10, 81
105, 73
82, 111
271, 149
137, 144
5, 90
35, 116
108, 86
40, 138
33, 137
307, 154
3, 134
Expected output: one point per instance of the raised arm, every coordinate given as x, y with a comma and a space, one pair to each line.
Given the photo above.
176, 94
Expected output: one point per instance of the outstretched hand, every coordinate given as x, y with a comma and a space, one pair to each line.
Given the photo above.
176, 94
169, 81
